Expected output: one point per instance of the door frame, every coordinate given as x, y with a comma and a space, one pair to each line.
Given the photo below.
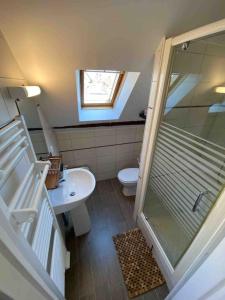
213, 228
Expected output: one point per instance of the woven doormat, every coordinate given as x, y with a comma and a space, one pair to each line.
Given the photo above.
140, 270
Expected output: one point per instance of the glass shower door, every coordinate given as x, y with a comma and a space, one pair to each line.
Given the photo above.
188, 169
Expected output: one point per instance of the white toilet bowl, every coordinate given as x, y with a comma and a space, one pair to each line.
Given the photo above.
128, 178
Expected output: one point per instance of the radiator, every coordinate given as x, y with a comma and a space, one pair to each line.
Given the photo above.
26, 212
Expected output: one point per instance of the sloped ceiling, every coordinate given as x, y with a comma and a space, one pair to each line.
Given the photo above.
50, 39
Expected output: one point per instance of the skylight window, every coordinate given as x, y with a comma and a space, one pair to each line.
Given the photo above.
99, 88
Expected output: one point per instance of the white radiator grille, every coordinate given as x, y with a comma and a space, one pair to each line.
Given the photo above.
58, 264
41, 241
25, 205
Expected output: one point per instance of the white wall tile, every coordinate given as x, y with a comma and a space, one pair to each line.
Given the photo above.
62, 134
126, 135
85, 153
140, 132
105, 175
105, 160
106, 151
83, 142
68, 158
213, 69
137, 149
105, 140
217, 50
104, 157
198, 47
187, 63
64, 144
126, 163
77, 133
124, 151
105, 131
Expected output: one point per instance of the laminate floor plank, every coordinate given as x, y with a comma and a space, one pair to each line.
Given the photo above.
95, 272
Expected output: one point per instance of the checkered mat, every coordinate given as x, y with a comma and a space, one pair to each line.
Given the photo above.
140, 270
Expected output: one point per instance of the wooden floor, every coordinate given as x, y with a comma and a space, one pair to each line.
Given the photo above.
95, 272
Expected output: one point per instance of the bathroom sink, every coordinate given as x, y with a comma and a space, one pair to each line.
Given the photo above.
77, 186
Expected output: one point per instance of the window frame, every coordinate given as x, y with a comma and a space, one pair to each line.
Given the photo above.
115, 94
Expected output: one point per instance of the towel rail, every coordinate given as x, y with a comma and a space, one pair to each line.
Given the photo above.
6, 157
58, 264
42, 235
28, 213
22, 215
22, 188
5, 173
6, 143
9, 127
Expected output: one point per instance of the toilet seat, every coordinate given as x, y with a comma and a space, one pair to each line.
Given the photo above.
129, 175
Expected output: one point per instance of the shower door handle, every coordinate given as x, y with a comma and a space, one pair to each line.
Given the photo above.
199, 198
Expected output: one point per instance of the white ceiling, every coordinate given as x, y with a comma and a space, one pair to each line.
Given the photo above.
50, 39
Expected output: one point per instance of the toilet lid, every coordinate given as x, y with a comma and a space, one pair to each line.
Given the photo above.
128, 175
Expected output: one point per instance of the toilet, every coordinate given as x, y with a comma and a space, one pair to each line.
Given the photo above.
128, 178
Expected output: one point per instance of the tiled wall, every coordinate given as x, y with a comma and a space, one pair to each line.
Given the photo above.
205, 60
105, 150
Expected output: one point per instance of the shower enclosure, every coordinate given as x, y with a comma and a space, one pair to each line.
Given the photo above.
181, 186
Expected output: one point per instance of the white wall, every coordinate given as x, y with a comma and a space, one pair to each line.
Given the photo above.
10, 75
9, 69
208, 281
105, 150
51, 39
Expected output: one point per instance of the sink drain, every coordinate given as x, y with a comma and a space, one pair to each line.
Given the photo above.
72, 194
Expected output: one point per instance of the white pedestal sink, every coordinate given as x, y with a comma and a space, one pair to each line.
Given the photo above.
71, 196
